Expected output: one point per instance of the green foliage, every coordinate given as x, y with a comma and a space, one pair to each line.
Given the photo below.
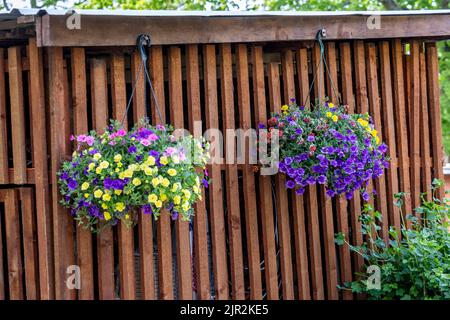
416, 262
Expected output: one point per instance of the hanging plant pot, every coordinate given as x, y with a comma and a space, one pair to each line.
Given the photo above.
327, 146
113, 173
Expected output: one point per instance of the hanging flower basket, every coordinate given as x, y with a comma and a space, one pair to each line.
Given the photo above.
327, 146
148, 168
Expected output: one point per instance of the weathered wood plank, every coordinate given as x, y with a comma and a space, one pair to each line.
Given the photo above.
139, 94
4, 173
182, 227
17, 115
251, 219
164, 230
42, 192
201, 219
84, 236
389, 133
215, 190
314, 244
126, 234
401, 123
425, 150
375, 110
60, 121
105, 249
266, 204
231, 176
362, 103
30, 254
326, 209
435, 111
2, 245
414, 114
13, 248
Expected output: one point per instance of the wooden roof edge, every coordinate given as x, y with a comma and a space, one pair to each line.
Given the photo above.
96, 28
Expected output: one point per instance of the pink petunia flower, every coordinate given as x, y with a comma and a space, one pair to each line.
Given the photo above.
145, 142
153, 137
89, 140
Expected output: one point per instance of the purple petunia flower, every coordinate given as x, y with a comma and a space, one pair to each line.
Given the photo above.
147, 209
205, 183
72, 184
290, 184
299, 131
64, 176
174, 215
300, 191
132, 149
311, 138
321, 179
288, 161
365, 196
155, 154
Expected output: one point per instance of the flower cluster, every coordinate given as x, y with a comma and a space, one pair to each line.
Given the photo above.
327, 146
149, 168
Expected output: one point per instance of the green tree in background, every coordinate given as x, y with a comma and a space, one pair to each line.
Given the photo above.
281, 5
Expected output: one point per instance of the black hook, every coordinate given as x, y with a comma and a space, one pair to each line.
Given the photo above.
143, 41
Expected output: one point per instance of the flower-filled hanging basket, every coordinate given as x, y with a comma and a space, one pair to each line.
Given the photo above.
111, 174
325, 145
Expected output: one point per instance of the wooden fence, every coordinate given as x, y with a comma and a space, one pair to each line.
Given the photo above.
250, 238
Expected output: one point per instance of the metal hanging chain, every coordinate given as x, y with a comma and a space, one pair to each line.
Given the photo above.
321, 34
143, 41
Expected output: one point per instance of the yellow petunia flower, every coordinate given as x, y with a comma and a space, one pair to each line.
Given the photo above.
104, 206
175, 159
98, 193
187, 193
106, 197
165, 182
158, 203
137, 182
97, 156
148, 171
86, 195
119, 165
107, 215
176, 199
118, 192
98, 170
163, 197
120, 206
335, 118
284, 107
151, 161
330, 105
128, 173
91, 166
84, 186
152, 198
104, 164
155, 182
164, 160
172, 172
117, 158
329, 114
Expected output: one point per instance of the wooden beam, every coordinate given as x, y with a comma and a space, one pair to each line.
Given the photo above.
96, 29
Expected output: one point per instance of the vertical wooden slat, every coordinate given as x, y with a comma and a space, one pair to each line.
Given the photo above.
164, 232
341, 202
42, 196
29, 244
348, 98
105, 250
302, 74
13, 248
401, 123
435, 111
424, 128
215, 189
375, 110
389, 133
248, 176
266, 204
126, 234
231, 174
314, 247
4, 174
331, 79
84, 236
139, 94
281, 192
2, 277
414, 152
17, 115
182, 227
145, 221
326, 204
200, 220
60, 121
